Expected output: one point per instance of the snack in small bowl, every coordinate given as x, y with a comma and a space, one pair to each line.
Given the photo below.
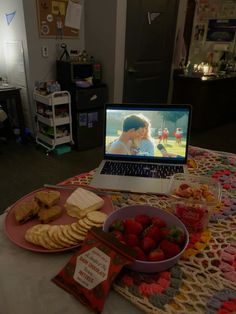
159, 238
193, 198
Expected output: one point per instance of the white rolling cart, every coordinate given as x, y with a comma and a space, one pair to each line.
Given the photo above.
53, 119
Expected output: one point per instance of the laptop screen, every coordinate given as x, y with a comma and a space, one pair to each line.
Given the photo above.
147, 132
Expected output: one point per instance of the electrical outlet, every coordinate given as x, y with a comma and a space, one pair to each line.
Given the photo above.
44, 51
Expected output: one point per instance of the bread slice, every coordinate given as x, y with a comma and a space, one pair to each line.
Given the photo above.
47, 198
26, 211
49, 214
82, 201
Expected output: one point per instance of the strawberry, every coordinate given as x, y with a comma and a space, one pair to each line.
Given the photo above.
176, 235
131, 239
164, 232
156, 255
147, 244
117, 225
153, 232
140, 255
170, 249
145, 220
119, 236
158, 222
132, 226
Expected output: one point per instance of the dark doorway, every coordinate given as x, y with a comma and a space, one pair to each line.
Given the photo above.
150, 34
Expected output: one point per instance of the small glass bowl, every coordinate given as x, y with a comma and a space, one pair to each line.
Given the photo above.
193, 199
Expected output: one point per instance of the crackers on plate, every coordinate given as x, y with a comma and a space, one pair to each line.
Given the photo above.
53, 237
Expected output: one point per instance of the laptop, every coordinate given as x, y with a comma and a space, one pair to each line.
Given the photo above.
124, 168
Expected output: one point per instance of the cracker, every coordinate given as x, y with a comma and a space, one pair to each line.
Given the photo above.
39, 228
32, 233
75, 235
62, 237
54, 235
66, 236
77, 228
29, 237
91, 223
97, 216
83, 224
46, 242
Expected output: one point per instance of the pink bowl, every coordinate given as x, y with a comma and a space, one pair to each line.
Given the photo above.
170, 219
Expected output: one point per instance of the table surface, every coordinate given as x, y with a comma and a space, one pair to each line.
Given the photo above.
203, 281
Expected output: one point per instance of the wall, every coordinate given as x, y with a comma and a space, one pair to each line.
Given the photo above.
120, 50
15, 33
205, 10
24, 28
179, 51
100, 37
39, 68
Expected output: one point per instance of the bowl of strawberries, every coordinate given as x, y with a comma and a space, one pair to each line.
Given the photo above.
158, 237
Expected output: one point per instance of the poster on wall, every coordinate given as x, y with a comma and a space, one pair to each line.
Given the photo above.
228, 9
59, 18
221, 30
207, 9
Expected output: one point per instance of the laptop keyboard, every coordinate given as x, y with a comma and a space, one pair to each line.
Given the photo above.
140, 169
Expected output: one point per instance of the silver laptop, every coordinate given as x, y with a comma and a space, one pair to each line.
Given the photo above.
141, 157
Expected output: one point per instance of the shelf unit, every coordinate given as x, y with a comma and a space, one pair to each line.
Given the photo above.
53, 119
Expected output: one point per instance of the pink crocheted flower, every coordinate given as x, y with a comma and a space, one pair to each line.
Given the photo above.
128, 281
166, 275
230, 305
149, 289
164, 283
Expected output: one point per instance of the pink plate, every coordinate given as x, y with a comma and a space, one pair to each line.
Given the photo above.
16, 231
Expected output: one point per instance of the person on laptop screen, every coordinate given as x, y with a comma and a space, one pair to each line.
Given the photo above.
133, 133
133, 128
144, 144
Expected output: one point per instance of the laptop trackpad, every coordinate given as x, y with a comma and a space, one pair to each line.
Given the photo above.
132, 184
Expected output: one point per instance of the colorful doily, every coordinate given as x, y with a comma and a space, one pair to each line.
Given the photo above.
204, 280
223, 302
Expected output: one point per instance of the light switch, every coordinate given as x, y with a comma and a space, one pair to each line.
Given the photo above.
44, 51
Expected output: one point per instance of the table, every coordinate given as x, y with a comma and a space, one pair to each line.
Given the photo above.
204, 280
13, 94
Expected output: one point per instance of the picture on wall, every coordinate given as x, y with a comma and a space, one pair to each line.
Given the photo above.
59, 18
221, 30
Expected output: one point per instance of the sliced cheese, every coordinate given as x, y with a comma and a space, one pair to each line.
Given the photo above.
82, 201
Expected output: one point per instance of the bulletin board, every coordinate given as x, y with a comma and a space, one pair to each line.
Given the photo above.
59, 18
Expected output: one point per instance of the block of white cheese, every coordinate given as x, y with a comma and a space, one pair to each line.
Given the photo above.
82, 201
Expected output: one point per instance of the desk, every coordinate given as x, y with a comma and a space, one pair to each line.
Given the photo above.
203, 281
13, 94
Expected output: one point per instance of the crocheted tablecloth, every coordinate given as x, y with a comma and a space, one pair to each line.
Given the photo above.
204, 280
